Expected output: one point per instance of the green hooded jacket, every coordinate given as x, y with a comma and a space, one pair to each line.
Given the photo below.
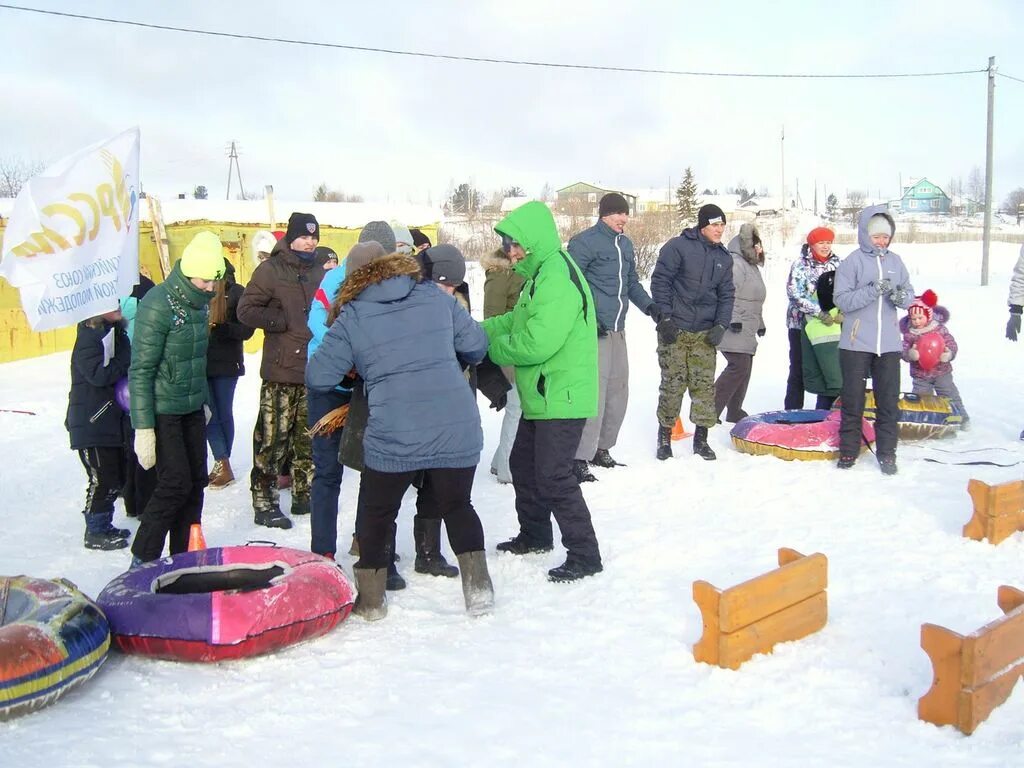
550, 337
168, 370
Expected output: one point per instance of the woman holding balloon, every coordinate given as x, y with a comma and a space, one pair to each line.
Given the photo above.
929, 347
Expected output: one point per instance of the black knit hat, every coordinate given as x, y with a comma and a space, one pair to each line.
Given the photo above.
301, 225
709, 214
444, 264
418, 238
611, 203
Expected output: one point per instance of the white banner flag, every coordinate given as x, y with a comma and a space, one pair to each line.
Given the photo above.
72, 242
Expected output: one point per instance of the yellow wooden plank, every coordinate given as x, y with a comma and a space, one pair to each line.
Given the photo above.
792, 623
769, 593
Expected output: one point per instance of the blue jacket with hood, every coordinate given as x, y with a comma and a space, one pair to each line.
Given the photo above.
608, 261
870, 320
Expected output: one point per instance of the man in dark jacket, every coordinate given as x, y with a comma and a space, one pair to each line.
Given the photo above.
605, 256
277, 299
692, 284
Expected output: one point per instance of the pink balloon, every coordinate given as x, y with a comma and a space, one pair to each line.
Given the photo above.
929, 347
121, 394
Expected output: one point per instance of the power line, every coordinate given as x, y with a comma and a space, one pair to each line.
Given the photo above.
1009, 77
488, 60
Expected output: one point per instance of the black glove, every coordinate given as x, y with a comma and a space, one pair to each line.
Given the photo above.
1013, 324
601, 331
883, 286
762, 331
491, 383
667, 331
735, 327
714, 336
655, 313
499, 402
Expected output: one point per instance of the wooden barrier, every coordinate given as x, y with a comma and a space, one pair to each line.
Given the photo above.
785, 604
974, 674
998, 510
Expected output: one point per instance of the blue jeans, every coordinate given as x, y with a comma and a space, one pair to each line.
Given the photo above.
326, 487
220, 432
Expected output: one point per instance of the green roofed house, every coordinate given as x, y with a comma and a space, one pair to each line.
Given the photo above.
582, 198
924, 197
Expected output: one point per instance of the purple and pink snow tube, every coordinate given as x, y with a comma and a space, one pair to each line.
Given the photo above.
225, 603
804, 435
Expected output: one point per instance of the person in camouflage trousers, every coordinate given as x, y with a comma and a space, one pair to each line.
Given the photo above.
283, 412
693, 288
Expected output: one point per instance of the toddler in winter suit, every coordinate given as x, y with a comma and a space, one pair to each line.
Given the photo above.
926, 316
98, 426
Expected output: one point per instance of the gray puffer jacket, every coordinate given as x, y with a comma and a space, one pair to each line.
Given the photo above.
405, 339
871, 323
750, 293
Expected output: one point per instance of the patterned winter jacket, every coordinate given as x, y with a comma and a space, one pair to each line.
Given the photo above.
940, 316
802, 283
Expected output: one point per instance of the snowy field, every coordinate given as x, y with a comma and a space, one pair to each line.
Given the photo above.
599, 672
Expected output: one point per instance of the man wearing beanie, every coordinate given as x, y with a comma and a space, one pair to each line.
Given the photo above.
551, 339
167, 389
816, 259
605, 256
381, 232
277, 299
871, 283
692, 285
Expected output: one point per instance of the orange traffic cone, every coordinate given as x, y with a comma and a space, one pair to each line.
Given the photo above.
196, 540
679, 431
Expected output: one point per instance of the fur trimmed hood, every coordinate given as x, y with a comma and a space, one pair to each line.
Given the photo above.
743, 244
376, 272
496, 261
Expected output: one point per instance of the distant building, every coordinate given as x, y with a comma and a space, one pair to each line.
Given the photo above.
583, 197
924, 197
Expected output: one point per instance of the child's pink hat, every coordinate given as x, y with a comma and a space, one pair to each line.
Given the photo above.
924, 304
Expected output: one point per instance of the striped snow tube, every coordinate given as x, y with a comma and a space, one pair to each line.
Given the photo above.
920, 416
225, 603
802, 435
52, 637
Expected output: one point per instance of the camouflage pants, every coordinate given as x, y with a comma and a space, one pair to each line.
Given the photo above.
280, 436
687, 364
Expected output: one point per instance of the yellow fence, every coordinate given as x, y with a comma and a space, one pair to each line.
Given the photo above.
19, 341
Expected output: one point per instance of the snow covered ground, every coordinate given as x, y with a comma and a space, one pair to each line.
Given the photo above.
595, 673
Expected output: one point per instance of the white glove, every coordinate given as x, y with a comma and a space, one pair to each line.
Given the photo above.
946, 356
913, 355
207, 413
145, 447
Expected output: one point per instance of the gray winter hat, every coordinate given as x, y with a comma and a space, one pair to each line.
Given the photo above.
403, 237
381, 232
362, 254
444, 264
879, 225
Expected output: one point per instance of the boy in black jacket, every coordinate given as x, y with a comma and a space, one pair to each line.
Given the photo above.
98, 426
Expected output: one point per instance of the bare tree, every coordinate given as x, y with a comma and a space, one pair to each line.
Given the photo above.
855, 199
649, 231
324, 194
1014, 202
976, 185
14, 172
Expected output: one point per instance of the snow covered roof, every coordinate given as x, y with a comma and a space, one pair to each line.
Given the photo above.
511, 203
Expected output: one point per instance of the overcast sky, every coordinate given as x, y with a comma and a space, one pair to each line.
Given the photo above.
403, 128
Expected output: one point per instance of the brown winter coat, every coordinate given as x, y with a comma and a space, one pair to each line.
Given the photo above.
277, 300
502, 285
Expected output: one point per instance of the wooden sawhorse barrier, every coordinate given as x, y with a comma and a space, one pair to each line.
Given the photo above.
976, 673
998, 510
784, 604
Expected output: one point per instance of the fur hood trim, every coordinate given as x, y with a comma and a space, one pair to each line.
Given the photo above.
496, 261
377, 271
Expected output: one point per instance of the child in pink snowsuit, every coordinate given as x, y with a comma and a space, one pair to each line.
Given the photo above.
926, 316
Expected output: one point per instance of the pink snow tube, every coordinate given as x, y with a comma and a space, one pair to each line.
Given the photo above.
225, 603
798, 434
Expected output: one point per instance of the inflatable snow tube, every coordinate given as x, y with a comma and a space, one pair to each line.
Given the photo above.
225, 603
920, 416
52, 638
789, 435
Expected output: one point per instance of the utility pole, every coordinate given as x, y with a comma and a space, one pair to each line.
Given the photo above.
987, 235
782, 151
815, 197
233, 165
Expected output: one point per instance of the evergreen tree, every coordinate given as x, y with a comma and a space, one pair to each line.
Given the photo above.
686, 199
831, 207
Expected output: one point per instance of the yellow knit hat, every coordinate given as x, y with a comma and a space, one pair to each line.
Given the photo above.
203, 257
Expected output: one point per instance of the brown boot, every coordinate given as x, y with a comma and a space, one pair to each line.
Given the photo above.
221, 476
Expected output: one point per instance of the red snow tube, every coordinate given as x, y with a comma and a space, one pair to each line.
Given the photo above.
798, 434
225, 603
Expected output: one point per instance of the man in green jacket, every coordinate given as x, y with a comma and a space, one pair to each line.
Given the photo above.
550, 337
167, 391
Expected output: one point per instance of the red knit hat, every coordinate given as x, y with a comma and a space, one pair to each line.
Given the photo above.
820, 235
923, 305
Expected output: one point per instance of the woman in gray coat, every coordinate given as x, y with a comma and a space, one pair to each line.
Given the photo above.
740, 342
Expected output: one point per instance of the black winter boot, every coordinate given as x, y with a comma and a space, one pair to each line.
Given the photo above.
429, 559
372, 601
582, 472
300, 505
664, 443
520, 545
395, 581
476, 583
700, 444
272, 518
604, 459
573, 569
107, 540
887, 463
